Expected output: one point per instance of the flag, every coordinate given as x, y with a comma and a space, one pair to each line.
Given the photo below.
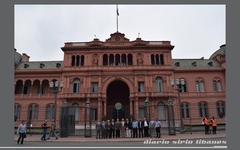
117, 11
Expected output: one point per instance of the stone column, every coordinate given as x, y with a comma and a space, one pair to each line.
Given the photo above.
136, 109
99, 109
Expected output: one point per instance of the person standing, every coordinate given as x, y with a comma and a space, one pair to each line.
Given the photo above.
158, 127
146, 126
44, 127
152, 128
118, 127
21, 131
112, 129
140, 128
103, 125
206, 124
52, 132
214, 125
134, 126
122, 128
98, 130
130, 128
108, 124
126, 125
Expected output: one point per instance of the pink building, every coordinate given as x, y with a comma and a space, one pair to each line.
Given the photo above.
124, 71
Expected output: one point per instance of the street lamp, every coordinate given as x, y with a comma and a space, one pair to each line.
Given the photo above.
180, 83
54, 85
147, 107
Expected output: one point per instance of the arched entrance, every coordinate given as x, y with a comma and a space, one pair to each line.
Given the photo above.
118, 91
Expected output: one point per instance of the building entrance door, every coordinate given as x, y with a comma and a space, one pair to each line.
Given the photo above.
118, 95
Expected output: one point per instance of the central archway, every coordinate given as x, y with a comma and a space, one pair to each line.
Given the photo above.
118, 91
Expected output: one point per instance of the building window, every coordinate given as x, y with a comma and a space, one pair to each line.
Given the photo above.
129, 59
159, 84
124, 59
141, 113
161, 59
76, 111
17, 110
94, 114
77, 64
76, 86
73, 60
105, 60
82, 60
94, 88
140, 86
203, 109
33, 112
50, 114
161, 111
26, 87
200, 86
217, 86
157, 59
221, 109
111, 60
117, 58
152, 60
183, 88
185, 110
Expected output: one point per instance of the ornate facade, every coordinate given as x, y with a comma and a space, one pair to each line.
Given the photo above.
120, 70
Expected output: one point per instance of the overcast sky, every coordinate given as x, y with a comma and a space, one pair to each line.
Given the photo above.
195, 30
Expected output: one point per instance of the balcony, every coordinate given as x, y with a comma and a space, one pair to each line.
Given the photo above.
33, 96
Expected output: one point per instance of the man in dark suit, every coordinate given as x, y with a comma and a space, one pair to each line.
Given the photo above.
112, 129
140, 128
108, 129
146, 126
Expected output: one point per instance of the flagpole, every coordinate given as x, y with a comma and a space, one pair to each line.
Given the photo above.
117, 16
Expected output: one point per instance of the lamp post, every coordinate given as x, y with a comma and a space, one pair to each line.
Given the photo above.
179, 83
54, 85
147, 108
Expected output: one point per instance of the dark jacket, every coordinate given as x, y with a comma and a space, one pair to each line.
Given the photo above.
142, 124
112, 125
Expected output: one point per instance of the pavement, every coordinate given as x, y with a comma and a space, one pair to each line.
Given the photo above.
194, 135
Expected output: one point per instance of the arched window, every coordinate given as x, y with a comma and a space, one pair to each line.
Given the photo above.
161, 59
200, 86
19, 87
221, 108
36, 87
217, 86
82, 60
111, 60
76, 111
157, 59
76, 85
124, 59
105, 60
183, 87
161, 111
17, 110
77, 64
26, 88
45, 86
129, 59
73, 60
33, 112
152, 60
159, 84
117, 58
50, 114
185, 110
203, 109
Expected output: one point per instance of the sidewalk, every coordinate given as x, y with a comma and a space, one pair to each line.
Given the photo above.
195, 135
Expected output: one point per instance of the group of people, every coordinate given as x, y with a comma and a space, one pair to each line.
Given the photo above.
210, 123
128, 128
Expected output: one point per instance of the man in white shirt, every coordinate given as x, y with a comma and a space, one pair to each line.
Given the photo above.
146, 126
